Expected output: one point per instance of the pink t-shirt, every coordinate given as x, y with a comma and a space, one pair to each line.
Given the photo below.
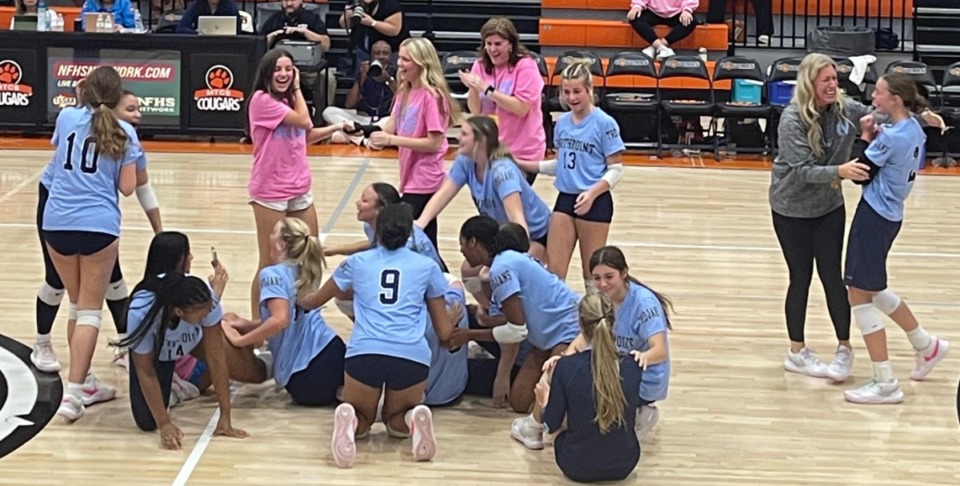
280, 171
421, 172
523, 135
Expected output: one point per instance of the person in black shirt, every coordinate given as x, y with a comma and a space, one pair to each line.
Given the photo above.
381, 20
296, 23
205, 8
369, 100
591, 400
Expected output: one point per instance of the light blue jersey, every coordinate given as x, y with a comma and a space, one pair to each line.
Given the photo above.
305, 335
898, 151
583, 148
390, 289
83, 189
550, 307
177, 342
501, 179
640, 317
448, 371
419, 243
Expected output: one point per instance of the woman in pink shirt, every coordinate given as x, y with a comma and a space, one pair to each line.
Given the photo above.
422, 112
678, 14
280, 127
506, 82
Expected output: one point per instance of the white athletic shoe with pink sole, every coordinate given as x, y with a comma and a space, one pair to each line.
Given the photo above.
420, 421
929, 358
343, 445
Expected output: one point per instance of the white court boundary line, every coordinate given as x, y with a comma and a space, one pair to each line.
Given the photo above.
20, 185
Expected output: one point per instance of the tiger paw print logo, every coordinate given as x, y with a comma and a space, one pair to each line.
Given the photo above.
12, 91
218, 95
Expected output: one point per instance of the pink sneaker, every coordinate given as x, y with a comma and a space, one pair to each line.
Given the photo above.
71, 407
343, 445
420, 421
96, 392
929, 358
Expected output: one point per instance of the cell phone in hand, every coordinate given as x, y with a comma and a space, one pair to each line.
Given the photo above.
213, 254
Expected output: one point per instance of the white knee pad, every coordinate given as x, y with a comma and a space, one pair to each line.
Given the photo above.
886, 301
117, 290
868, 319
510, 333
72, 312
49, 295
90, 318
473, 285
345, 306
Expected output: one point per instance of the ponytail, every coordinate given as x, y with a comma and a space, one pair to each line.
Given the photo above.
305, 251
597, 321
174, 290
102, 90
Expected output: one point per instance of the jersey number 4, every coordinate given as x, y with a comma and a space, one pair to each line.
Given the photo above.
89, 155
389, 286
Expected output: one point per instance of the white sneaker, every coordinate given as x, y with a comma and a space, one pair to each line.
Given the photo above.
44, 358
185, 389
839, 369
71, 407
420, 421
763, 40
874, 392
96, 392
647, 417
928, 358
805, 363
121, 358
343, 444
528, 432
650, 52
665, 52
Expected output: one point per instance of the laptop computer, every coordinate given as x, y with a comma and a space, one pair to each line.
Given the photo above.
216, 25
25, 22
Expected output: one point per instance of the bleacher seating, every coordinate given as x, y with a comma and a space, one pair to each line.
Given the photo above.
617, 34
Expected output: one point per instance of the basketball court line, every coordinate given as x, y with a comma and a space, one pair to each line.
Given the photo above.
201, 446
20, 185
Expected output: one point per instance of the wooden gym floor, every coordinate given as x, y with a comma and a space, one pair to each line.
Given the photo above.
701, 236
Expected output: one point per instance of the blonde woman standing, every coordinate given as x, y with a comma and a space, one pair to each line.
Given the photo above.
422, 112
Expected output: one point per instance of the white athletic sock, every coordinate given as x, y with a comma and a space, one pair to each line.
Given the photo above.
919, 338
75, 389
43, 339
882, 371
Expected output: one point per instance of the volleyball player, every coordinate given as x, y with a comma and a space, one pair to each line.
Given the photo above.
95, 156
587, 168
307, 355
388, 347
448, 375
894, 154
524, 292
51, 291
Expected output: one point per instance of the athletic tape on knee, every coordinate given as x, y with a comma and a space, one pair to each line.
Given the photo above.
886, 301
148, 198
72, 312
117, 290
868, 319
473, 285
91, 318
49, 295
510, 333
345, 306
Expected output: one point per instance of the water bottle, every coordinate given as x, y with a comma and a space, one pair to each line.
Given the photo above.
58, 23
101, 23
137, 19
42, 16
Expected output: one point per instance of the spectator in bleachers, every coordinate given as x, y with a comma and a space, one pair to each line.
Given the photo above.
159, 7
29, 7
677, 14
296, 23
122, 11
205, 8
370, 98
505, 81
380, 20
762, 9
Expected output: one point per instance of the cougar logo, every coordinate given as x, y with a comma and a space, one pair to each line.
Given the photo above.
28, 398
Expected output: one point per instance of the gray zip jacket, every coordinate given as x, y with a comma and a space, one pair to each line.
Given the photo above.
802, 185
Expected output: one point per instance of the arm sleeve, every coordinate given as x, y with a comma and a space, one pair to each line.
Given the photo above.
796, 152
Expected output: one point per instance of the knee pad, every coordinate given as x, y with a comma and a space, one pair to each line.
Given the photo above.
92, 318
49, 295
886, 301
72, 312
868, 320
345, 306
510, 333
473, 285
117, 290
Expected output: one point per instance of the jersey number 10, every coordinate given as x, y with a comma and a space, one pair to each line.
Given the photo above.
89, 156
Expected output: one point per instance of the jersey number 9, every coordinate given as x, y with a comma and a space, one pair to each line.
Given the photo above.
389, 286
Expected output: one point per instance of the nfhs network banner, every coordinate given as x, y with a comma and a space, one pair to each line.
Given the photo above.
154, 76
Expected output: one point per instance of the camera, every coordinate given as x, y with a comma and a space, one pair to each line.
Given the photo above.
375, 70
358, 9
